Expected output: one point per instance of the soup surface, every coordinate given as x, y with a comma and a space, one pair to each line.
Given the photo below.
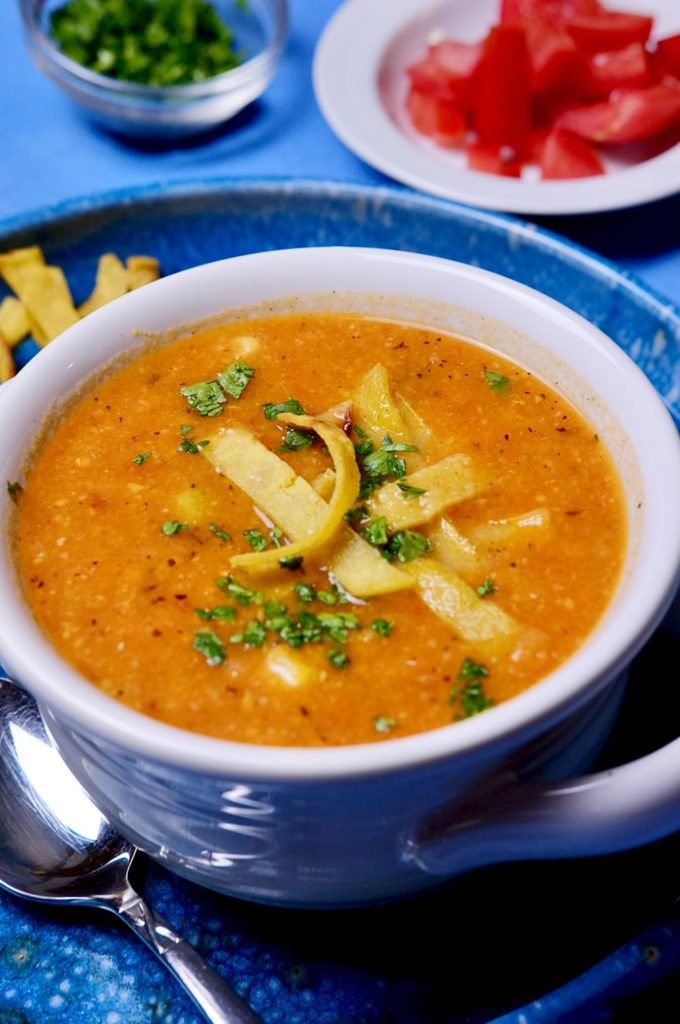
457, 529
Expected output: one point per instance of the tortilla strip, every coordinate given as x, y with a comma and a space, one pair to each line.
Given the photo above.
376, 412
45, 294
296, 508
141, 270
421, 434
6, 361
14, 322
528, 526
455, 551
16, 260
345, 489
445, 483
111, 282
472, 618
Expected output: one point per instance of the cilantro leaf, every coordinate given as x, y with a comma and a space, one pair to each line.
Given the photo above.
235, 379
14, 489
472, 670
405, 545
242, 595
206, 398
257, 540
172, 527
210, 646
376, 532
305, 591
486, 588
497, 382
338, 659
295, 440
384, 724
140, 459
221, 613
222, 534
271, 411
409, 491
382, 627
291, 563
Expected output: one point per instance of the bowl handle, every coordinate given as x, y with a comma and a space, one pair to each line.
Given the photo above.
606, 812
609, 811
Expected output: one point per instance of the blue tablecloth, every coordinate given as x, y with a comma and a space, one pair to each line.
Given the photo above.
50, 152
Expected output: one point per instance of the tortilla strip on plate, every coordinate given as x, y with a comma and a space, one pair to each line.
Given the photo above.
445, 483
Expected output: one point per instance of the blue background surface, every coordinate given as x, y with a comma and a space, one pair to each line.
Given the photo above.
511, 933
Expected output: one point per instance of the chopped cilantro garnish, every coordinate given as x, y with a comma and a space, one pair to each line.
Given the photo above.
473, 700
271, 411
275, 536
242, 595
389, 445
409, 491
359, 432
336, 624
472, 670
257, 540
140, 459
326, 597
363, 448
471, 696
222, 534
274, 608
356, 514
338, 659
497, 382
221, 613
188, 444
383, 463
407, 545
254, 633
210, 646
235, 379
376, 532
305, 591
14, 489
172, 527
382, 627
292, 563
206, 398
294, 440
486, 588
384, 724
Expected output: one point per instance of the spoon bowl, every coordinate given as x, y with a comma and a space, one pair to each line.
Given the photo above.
56, 846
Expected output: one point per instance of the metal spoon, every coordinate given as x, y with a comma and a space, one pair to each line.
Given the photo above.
55, 846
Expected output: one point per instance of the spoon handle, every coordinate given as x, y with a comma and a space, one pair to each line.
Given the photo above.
218, 1002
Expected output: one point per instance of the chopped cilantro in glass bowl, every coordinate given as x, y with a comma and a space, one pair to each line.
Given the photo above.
158, 69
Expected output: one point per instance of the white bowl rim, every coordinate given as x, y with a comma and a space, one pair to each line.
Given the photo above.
72, 699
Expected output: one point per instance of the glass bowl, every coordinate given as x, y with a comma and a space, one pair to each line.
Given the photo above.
166, 112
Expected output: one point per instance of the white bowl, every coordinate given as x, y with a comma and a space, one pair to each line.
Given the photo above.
354, 824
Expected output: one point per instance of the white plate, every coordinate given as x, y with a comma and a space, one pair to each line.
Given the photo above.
360, 85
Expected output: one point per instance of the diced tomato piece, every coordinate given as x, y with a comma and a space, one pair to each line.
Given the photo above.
493, 160
625, 117
627, 68
502, 106
538, 140
440, 119
448, 70
609, 30
551, 12
565, 155
555, 61
669, 51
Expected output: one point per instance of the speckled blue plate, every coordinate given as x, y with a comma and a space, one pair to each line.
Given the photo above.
513, 942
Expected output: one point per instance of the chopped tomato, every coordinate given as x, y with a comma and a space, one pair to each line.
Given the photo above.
502, 108
669, 51
438, 118
493, 160
609, 30
625, 117
565, 155
627, 68
551, 12
448, 70
555, 61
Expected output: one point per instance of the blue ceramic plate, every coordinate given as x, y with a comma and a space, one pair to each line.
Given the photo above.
509, 937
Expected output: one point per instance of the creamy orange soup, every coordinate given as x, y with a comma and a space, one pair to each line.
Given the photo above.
485, 544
